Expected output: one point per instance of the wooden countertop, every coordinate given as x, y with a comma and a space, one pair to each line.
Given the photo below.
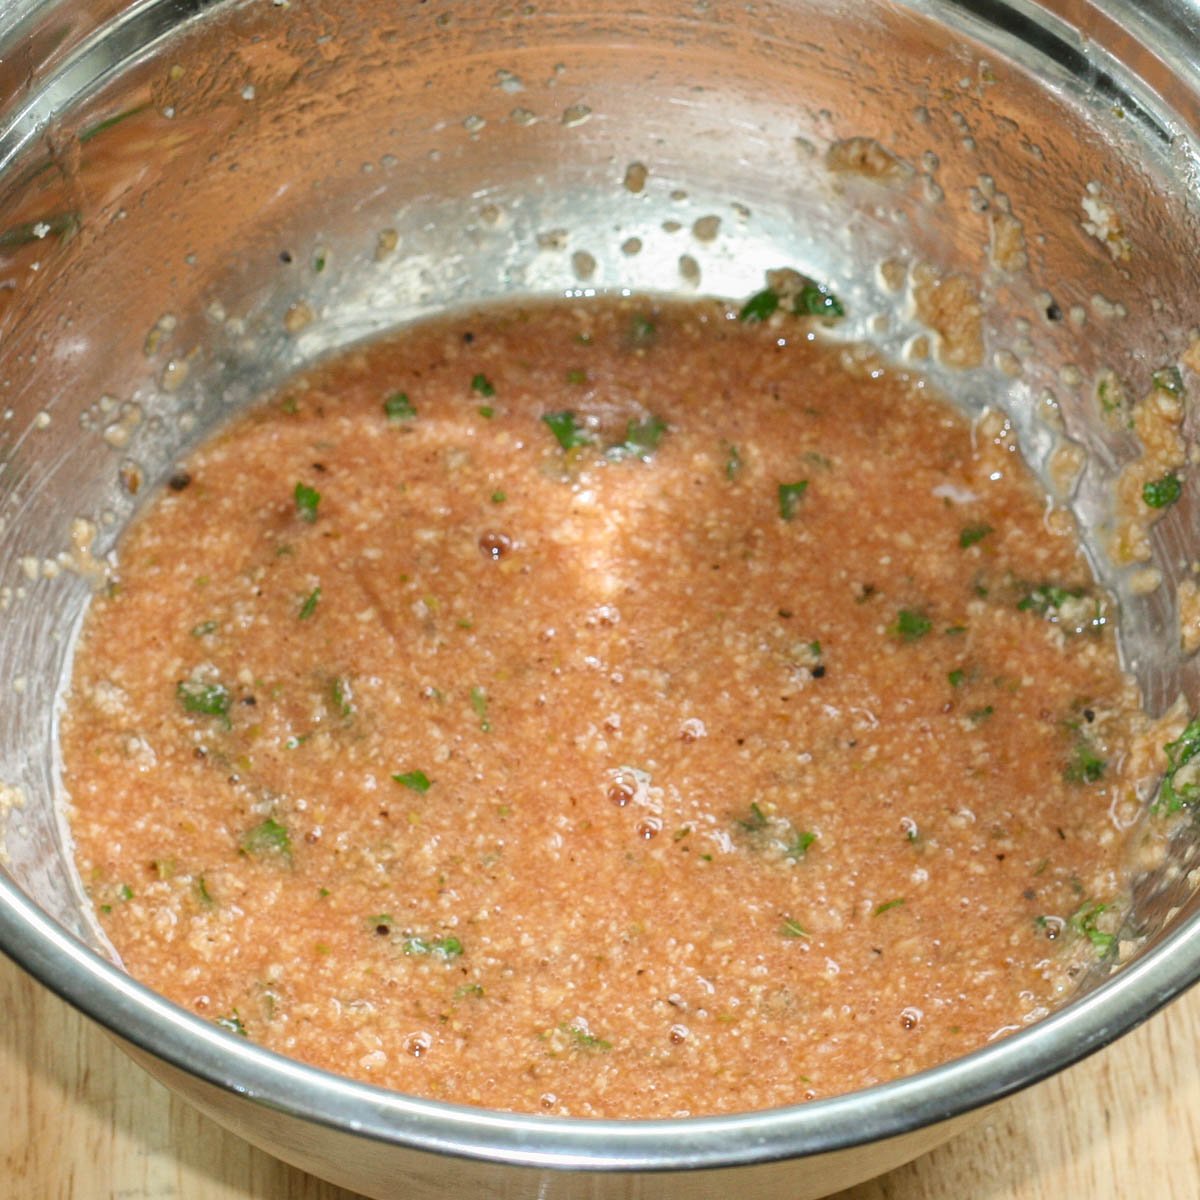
78, 1121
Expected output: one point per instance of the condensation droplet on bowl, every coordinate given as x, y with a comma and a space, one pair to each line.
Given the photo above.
705, 229
298, 317
523, 116
174, 374
689, 270
248, 92
583, 264
635, 177
474, 123
631, 246
42, 420
508, 81
386, 241
576, 114
672, 226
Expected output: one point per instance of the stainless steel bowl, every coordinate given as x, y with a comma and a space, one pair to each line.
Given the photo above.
158, 163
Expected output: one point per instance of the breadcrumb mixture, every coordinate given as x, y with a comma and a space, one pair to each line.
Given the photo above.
605, 708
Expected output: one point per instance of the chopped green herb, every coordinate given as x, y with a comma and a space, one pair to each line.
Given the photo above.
486, 411
757, 820
473, 990
296, 741
1161, 493
1168, 379
789, 498
310, 604
972, 534
479, 702
1085, 765
341, 695
418, 781
483, 385
268, 837
319, 262
204, 629
1084, 922
760, 306
814, 648
566, 429
792, 928
577, 377
1180, 789
888, 904
398, 407
955, 630
232, 1024
444, 947
977, 715
798, 846
307, 499
642, 331
499, 497
583, 1040
816, 300
641, 439
203, 895
124, 893
956, 677
1048, 599
207, 699
733, 462
911, 625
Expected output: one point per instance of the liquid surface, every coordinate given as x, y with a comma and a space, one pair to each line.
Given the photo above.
604, 709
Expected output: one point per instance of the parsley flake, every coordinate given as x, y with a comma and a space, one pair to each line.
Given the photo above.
1085, 765
816, 300
310, 604
759, 307
791, 928
973, 534
443, 947
418, 781
206, 699
481, 384
641, 439
1180, 789
887, 905
566, 429
1162, 493
398, 407
789, 498
911, 625
479, 703
268, 837
307, 499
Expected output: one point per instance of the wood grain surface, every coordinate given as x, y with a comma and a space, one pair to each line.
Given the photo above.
78, 1121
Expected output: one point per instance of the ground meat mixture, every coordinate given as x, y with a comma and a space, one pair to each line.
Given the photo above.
605, 708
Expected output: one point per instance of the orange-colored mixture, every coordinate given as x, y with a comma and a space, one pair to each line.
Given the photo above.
604, 708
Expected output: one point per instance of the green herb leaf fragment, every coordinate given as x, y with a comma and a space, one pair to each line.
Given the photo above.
1085, 765
566, 429
759, 307
399, 407
442, 947
887, 905
342, 696
1083, 922
581, 1039
204, 629
756, 821
792, 928
481, 384
472, 991
956, 677
418, 781
973, 534
1048, 599
203, 895
733, 462
267, 838
642, 332
797, 848
816, 300
1168, 379
978, 715
789, 498
1161, 493
232, 1024
479, 703
310, 604
499, 497
206, 699
307, 499
641, 439
911, 625
486, 411
576, 377
1180, 786
100, 127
